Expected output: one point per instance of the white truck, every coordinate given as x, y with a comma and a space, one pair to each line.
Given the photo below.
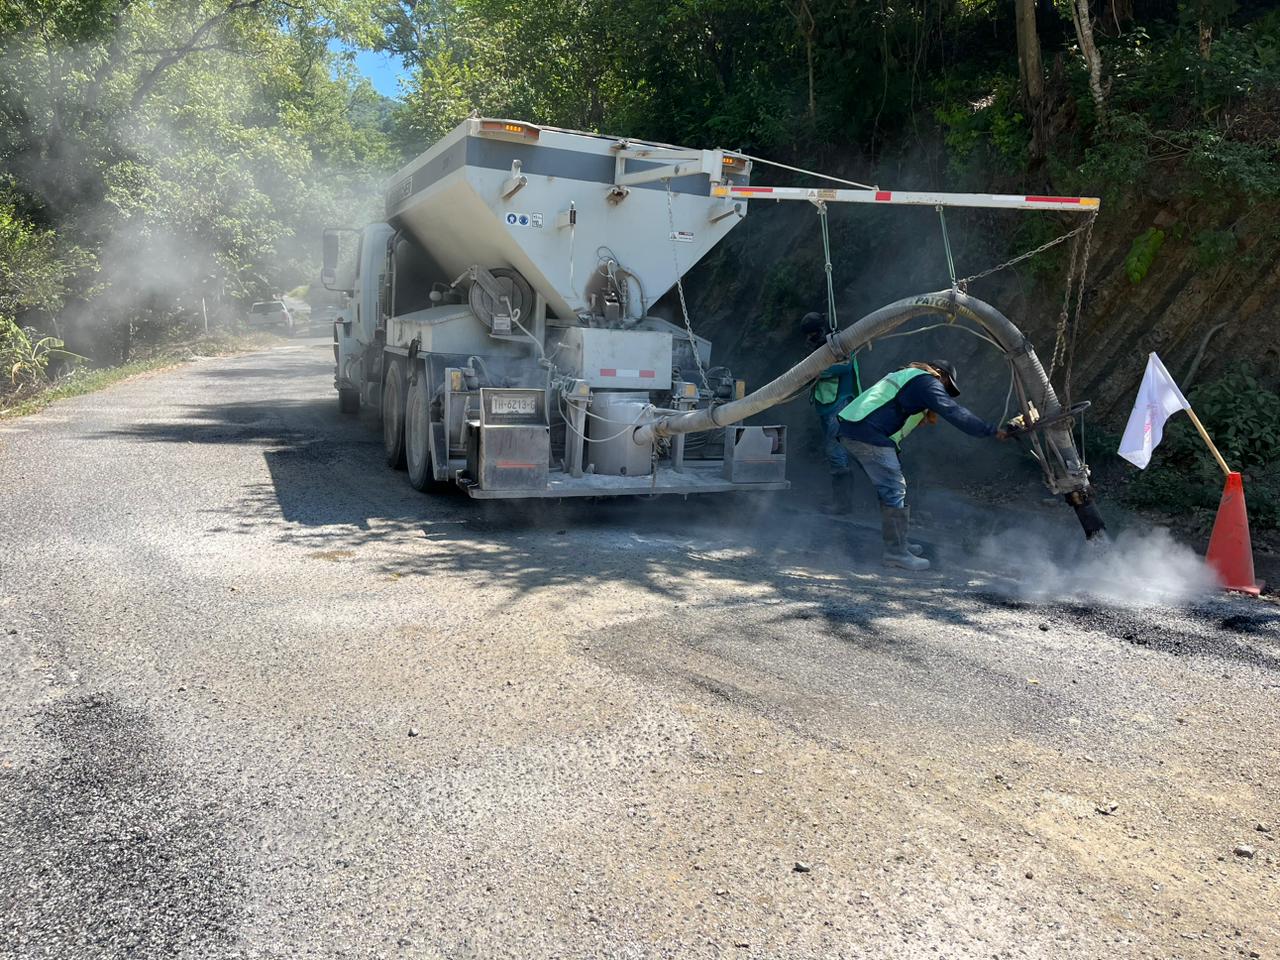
499, 317
499, 320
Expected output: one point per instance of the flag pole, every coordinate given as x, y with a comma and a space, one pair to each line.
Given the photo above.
1204, 435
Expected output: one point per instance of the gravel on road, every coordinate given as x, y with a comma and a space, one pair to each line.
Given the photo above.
262, 699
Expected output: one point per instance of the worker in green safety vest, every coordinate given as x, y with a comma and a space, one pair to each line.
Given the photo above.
874, 424
830, 393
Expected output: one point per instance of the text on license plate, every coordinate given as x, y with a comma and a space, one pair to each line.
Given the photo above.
527, 405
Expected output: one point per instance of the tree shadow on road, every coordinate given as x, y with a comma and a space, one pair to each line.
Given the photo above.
272, 423
326, 491
764, 548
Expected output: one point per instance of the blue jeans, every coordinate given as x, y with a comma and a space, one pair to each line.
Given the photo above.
837, 458
882, 468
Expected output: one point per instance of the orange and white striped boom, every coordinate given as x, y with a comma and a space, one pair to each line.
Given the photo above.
908, 198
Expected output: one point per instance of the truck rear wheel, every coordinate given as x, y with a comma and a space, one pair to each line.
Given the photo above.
348, 400
417, 435
393, 410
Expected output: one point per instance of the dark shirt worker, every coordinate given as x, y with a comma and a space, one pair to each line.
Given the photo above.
874, 424
831, 392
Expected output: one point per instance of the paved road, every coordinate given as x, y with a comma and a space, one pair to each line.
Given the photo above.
261, 699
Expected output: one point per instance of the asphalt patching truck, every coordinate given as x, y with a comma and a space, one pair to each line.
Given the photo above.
499, 318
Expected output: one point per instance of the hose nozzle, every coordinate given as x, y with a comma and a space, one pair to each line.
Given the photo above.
1086, 509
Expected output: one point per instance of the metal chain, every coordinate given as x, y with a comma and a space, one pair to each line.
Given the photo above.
684, 307
1064, 314
1075, 326
1064, 345
962, 284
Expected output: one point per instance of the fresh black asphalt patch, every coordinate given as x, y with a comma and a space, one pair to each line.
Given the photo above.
104, 850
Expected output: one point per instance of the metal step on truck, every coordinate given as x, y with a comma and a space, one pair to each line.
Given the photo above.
498, 319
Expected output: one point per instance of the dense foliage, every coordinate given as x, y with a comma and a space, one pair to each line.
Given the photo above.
756, 74
158, 155
1207, 126
162, 153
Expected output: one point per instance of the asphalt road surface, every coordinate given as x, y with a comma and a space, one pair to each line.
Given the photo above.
262, 699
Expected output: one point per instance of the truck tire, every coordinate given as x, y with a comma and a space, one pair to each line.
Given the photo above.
348, 400
393, 410
417, 436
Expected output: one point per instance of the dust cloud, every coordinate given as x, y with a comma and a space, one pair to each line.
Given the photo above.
1139, 568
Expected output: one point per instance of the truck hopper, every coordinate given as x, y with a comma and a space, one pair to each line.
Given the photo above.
551, 203
500, 318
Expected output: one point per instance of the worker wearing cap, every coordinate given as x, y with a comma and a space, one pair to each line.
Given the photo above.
872, 426
830, 394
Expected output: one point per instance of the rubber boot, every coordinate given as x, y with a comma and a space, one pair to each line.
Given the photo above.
893, 524
915, 549
841, 504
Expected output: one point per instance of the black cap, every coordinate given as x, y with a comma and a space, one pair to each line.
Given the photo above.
948, 371
812, 323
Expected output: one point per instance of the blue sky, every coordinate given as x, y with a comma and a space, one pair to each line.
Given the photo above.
383, 70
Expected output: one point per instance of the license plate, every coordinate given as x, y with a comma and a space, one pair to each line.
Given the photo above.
524, 405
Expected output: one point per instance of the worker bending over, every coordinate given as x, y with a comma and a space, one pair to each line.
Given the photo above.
830, 394
875, 423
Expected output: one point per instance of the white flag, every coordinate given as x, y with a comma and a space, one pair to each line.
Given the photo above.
1158, 399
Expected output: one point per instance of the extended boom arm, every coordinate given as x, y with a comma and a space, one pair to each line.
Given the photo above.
1065, 472
998, 201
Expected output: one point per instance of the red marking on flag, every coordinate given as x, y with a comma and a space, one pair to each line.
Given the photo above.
883, 195
753, 189
647, 375
608, 371
1052, 199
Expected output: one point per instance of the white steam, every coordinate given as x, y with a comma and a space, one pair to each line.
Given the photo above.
1138, 568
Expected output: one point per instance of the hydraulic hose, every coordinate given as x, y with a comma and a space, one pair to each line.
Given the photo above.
1065, 473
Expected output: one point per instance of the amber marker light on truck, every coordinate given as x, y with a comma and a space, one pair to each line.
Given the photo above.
526, 131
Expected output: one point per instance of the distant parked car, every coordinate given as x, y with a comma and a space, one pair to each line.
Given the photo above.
271, 313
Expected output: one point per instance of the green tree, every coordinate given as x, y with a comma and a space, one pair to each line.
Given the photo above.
182, 140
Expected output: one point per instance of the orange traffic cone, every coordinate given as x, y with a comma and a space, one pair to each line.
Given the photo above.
1230, 553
